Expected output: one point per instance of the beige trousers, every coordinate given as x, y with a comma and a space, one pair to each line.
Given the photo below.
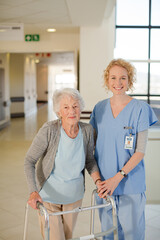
61, 227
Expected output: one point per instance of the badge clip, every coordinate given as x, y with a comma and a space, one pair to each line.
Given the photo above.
128, 128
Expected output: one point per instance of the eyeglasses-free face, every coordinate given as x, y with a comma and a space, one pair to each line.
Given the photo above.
118, 80
69, 110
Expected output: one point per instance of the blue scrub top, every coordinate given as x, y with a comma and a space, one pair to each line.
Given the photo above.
110, 151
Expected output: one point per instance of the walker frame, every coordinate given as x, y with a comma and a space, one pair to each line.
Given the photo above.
92, 235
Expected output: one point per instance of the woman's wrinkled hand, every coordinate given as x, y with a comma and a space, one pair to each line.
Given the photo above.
98, 185
33, 199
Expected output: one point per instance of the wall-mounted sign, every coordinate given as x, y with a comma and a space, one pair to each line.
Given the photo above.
43, 55
32, 37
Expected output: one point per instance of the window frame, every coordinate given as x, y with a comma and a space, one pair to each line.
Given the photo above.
149, 60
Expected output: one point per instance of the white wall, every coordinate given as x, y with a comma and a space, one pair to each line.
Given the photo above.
96, 51
30, 86
152, 163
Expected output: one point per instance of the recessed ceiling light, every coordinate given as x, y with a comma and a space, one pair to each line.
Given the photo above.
37, 60
51, 30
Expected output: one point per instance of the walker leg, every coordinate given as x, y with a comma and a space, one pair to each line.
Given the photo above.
46, 225
26, 222
114, 216
114, 229
46, 230
93, 200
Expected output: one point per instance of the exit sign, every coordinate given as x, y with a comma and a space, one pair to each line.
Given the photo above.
32, 37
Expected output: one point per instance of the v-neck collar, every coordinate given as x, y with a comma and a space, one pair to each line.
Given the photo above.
121, 110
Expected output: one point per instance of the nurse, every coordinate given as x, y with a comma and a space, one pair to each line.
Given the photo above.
121, 126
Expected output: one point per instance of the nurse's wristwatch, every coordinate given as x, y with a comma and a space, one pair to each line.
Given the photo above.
123, 173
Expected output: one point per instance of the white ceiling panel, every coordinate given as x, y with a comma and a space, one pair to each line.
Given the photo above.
62, 14
87, 12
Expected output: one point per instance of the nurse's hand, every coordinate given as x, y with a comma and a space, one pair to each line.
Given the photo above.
33, 199
108, 186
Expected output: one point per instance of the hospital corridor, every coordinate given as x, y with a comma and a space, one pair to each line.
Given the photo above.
54, 44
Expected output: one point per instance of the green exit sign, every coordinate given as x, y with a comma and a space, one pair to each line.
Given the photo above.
32, 37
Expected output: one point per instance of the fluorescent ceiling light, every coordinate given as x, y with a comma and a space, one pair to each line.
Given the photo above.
51, 30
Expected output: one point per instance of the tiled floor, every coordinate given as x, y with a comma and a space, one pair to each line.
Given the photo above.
14, 142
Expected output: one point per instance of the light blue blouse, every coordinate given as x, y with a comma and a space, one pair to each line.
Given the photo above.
110, 151
66, 182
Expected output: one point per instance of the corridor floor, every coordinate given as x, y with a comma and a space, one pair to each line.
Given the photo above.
14, 142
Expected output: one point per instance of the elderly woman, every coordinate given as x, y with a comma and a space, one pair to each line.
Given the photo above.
62, 150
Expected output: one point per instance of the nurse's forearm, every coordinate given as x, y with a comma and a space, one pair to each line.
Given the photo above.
133, 162
109, 185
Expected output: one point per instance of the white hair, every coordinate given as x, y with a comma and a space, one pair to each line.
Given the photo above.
71, 92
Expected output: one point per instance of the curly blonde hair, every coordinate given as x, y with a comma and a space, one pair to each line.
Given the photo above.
121, 63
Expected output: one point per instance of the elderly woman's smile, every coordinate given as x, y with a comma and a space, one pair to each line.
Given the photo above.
69, 111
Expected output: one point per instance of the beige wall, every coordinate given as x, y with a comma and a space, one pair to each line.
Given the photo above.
96, 50
48, 43
16, 75
16, 78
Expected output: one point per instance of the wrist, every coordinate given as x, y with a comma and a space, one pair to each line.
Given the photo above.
122, 172
33, 193
97, 180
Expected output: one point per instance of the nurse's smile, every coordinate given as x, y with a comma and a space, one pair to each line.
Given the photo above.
118, 80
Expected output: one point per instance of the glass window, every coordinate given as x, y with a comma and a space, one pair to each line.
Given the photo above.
64, 81
155, 78
131, 12
155, 44
141, 84
131, 43
155, 19
142, 98
138, 40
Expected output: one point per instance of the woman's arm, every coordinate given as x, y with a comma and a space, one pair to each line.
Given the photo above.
96, 178
108, 186
91, 164
35, 152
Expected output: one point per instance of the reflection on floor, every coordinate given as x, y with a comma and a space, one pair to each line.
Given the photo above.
14, 142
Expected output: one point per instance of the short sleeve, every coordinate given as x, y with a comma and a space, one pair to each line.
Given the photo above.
93, 120
147, 117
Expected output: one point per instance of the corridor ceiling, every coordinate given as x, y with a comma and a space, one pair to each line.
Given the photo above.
64, 15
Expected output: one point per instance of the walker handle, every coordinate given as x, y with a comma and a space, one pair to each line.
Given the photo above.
39, 204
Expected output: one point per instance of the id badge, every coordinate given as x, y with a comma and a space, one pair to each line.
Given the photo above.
128, 142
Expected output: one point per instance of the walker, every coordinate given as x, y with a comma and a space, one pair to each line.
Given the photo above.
92, 235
